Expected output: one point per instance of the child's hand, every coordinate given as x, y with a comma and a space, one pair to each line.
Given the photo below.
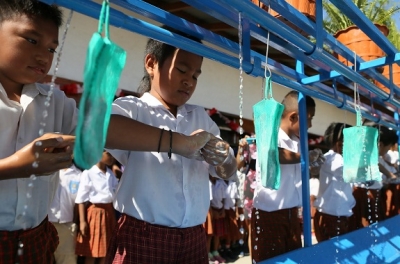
216, 151
51, 152
84, 228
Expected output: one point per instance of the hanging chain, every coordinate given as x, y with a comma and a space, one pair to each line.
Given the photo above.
240, 74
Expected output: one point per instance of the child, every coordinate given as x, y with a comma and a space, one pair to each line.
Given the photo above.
275, 226
165, 196
96, 212
218, 217
209, 227
335, 199
62, 214
29, 38
370, 204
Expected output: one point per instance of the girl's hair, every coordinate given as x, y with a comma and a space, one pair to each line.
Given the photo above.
10, 9
386, 136
334, 133
161, 51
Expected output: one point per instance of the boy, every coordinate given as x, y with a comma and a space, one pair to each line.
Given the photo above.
29, 37
275, 226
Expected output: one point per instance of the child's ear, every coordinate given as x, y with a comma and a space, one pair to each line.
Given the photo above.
150, 63
293, 117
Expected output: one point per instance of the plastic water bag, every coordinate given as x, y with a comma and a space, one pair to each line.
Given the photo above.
267, 120
104, 64
360, 154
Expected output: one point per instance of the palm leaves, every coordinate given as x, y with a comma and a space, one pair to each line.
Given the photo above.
378, 11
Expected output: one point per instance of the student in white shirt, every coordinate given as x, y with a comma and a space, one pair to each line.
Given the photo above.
97, 217
275, 226
335, 199
370, 205
165, 194
63, 214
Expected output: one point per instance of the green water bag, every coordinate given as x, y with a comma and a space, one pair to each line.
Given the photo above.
267, 120
360, 153
104, 64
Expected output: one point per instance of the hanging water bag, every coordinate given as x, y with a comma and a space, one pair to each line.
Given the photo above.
267, 120
360, 153
104, 64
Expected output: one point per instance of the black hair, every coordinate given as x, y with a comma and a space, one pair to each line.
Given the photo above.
11, 9
290, 101
161, 51
334, 133
386, 136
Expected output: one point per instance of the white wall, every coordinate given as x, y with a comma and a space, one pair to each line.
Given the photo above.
218, 85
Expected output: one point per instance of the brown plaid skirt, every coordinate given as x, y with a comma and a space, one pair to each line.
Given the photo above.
101, 220
232, 225
274, 233
138, 242
327, 226
33, 246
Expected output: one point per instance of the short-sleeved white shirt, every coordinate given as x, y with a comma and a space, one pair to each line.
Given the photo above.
289, 193
96, 186
231, 194
19, 125
62, 208
169, 192
335, 197
219, 194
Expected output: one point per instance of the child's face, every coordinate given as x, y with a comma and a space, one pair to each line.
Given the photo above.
296, 121
27, 50
174, 83
107, 158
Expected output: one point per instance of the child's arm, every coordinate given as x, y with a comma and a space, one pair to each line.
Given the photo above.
83, 225
288, 157
386, 172
52, 152
128, 134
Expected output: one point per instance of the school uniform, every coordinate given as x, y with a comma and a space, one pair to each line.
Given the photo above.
97, 189
334, 201
170, 196
24, 202
275, 212
231, 195
61, 215
370, 205
390, 192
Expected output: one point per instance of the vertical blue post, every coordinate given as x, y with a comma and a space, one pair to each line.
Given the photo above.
304, 170
396, 117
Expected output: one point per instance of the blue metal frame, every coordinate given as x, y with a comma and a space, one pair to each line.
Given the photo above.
256, 24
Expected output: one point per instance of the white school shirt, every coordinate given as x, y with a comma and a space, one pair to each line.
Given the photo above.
96, 186
19, 126
169, 192
392, 156
289, 193
62, 208
335, 197
218, 193
231, 194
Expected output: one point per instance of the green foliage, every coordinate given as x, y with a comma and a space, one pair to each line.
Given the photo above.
394, 34
378, 11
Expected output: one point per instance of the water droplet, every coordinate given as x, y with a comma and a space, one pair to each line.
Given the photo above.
35, 164
33, 177
258, 217
25, 207
36, 155
257, 212
241, 216
28, 195
30, 185
241, 242
241, 230
254, 262
256, 238
41, 132
258, 231
255, 247
258, 228
38, 143
47, 103
45, 114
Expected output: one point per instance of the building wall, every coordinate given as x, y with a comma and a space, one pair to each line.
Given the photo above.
218, 85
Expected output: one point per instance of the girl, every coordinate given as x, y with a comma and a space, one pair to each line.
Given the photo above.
335, 200
163, 197
96, 213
